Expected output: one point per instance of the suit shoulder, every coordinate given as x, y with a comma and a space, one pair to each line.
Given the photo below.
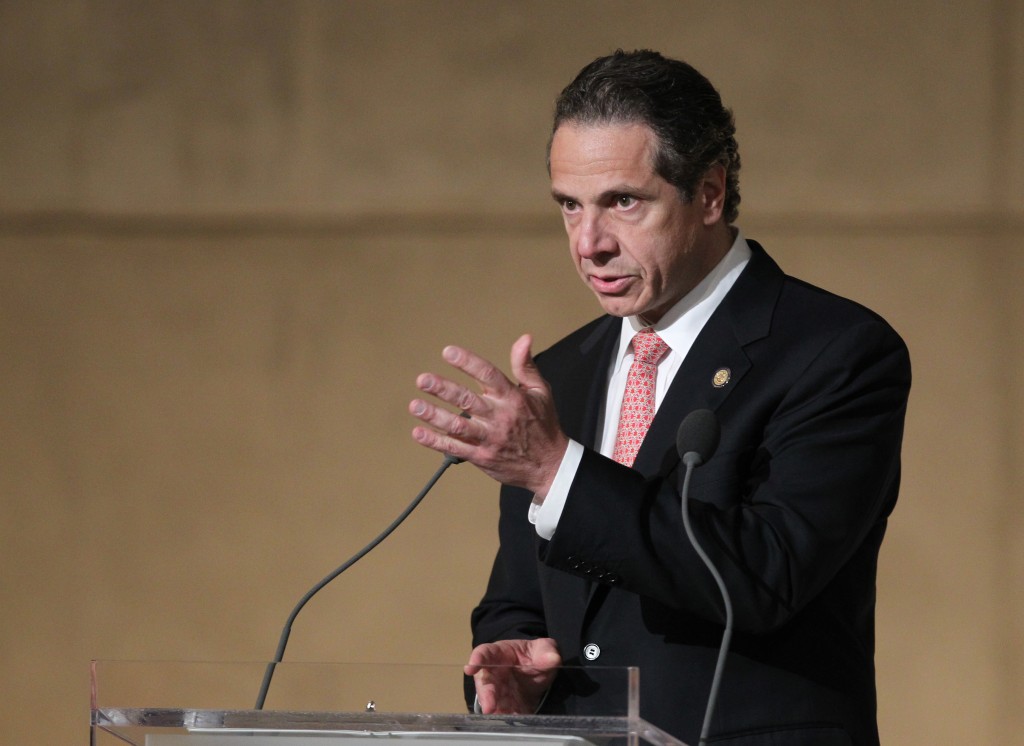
765, 302
811, 307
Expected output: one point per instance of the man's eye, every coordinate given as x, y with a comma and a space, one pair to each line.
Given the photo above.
569, 205
625, 200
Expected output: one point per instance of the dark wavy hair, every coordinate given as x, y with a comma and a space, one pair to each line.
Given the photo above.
694, 130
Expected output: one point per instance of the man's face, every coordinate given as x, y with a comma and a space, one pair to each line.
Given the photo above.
634, 241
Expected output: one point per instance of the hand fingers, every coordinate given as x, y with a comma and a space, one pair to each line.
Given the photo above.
450, 392
486, 693
536, 655
456, 425
483, 678
490, 654
499, 693
490, 378
457, 440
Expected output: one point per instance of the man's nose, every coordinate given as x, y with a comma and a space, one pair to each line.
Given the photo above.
593, 237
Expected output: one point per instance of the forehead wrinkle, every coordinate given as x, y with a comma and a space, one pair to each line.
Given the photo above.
603, 144
610, 158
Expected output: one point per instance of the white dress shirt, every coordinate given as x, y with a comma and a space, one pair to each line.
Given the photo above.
679, 327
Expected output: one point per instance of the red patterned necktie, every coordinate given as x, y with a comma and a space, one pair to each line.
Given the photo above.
638, 401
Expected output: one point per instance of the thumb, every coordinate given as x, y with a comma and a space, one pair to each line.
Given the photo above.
523, 367
545, 653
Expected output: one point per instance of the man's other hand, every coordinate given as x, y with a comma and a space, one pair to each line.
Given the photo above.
512, 676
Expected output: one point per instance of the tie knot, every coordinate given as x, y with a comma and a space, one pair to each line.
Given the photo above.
648, 347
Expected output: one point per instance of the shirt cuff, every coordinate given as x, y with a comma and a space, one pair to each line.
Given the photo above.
544, 515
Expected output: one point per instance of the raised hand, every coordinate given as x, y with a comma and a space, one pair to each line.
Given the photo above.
512, 433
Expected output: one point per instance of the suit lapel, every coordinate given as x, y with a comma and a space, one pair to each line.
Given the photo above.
583, 380
717, 362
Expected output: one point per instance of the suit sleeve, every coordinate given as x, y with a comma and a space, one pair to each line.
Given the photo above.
512, 607
803, 479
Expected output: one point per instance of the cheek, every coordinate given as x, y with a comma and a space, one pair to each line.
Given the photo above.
647, 253
662, 267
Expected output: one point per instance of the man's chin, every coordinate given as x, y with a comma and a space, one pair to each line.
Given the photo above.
617, 307
646, 316
616, 298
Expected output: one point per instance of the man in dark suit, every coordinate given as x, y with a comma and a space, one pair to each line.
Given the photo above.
594, 568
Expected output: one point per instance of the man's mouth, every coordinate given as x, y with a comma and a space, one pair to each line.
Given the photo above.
611, 284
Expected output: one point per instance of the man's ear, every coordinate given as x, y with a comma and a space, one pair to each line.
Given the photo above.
711, 192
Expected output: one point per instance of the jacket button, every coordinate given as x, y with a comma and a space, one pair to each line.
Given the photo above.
591, 652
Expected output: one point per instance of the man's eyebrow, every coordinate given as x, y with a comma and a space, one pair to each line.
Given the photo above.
620, 189
607, 195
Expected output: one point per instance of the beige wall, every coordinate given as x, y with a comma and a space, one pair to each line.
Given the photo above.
216, 216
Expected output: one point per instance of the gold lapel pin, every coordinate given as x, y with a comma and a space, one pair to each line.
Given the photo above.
721, 377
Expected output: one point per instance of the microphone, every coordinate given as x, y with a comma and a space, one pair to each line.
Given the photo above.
698, 437
696, 442
449, 460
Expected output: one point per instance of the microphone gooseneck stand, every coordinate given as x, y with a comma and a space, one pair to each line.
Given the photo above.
268, 675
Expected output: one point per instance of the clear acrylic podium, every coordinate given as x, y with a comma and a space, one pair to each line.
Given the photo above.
327, 704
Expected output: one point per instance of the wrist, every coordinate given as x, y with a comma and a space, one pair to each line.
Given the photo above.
545, 476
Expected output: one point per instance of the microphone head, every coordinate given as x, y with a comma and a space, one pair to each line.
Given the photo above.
698, 435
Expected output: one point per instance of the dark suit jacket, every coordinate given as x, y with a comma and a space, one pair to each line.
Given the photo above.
791, 508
